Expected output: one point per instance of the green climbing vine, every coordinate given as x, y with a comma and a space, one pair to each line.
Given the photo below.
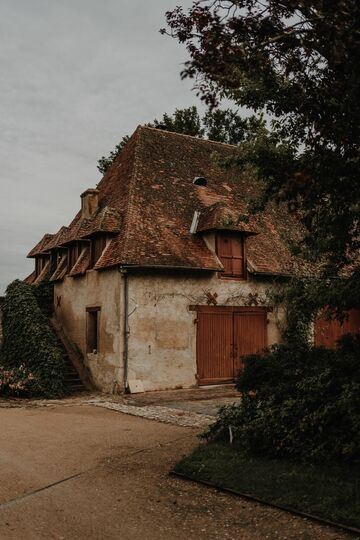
31, 362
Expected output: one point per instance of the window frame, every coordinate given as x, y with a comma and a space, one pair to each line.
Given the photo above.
90, 340
74, 252
96, 238
40, 263
233, 236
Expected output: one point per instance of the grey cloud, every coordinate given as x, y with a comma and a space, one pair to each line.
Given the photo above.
76, 76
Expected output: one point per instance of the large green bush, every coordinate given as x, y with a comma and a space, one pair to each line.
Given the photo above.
30, 355
299, 402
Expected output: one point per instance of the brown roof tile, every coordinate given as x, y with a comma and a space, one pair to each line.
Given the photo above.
57, 238
220, 216
106, 220
39, 249
147, 201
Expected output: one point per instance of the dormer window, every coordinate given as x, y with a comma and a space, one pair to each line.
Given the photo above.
98, 244
230, 248
74, 253
40, 263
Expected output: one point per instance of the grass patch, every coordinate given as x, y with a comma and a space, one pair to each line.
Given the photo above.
327, 491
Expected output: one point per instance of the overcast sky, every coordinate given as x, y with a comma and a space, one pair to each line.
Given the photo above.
76, 75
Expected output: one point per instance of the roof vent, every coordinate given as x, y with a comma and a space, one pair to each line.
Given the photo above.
200, 181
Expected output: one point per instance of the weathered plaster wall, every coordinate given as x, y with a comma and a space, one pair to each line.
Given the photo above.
100, 289
162, 346
162, 342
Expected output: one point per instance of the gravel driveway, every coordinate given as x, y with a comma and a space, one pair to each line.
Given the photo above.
84, 472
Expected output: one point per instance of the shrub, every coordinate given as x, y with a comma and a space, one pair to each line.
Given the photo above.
300, 402
17, 382
29, 345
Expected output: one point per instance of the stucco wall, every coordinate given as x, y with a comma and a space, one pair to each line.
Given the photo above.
162, 341
162, 346
100, 289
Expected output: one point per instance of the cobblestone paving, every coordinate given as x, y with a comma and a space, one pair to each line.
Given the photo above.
159, 413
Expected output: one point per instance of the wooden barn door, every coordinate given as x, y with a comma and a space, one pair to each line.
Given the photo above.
224, 336
327, 332
215, 346
250, 335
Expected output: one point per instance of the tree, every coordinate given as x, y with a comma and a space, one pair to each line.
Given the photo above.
186, 121
298, 62
227, 126
222, 125
105, 162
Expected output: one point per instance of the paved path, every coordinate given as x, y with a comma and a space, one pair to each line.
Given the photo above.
84, 472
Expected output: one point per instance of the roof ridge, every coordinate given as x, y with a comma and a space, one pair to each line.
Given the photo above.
175, 133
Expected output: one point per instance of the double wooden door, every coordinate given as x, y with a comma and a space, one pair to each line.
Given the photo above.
224, 336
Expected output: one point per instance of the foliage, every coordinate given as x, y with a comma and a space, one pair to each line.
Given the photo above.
298, 62
303, 298
227, 126
18, 382
105, 162
326, 490
298, 402
29, 347
186, 121
44, 294
222, 125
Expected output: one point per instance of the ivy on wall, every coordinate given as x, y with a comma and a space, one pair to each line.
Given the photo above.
30, 355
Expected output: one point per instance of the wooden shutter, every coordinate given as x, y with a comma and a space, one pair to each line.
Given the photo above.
230, 250
98, 245
74, 253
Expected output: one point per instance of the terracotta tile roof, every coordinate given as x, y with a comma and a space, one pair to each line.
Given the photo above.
220, 216
106, 220
147, 201
40, 246
57, 238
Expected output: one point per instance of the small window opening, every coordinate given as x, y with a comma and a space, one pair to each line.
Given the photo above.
200, 181
40, 263
97, 246
231, 251
92, 330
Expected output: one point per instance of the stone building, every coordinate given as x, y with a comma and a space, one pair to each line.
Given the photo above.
161, 278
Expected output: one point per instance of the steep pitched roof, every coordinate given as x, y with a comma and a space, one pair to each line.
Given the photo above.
41, 246
148, 199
